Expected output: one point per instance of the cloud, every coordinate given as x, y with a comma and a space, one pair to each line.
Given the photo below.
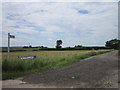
60, 1
85, 23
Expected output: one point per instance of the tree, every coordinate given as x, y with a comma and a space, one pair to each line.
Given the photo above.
78, 46
59, 43
114, 43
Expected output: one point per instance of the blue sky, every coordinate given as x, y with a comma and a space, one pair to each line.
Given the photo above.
75, 23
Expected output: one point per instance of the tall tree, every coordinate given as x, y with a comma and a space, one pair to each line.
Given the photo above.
58, 44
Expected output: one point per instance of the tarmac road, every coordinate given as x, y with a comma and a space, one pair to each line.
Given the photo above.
95, 72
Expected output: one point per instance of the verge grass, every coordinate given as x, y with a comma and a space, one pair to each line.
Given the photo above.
45, 60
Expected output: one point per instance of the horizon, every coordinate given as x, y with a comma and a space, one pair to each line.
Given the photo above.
50, 47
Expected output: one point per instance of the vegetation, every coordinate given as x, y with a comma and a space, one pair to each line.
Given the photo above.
45, 60
114, 43
42, 48
59, 43
111, 44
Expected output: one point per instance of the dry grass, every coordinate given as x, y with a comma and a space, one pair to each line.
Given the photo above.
47, 55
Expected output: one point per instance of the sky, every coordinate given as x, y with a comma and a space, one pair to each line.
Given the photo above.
75, 23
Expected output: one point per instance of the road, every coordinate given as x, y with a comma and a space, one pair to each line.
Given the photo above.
99, 71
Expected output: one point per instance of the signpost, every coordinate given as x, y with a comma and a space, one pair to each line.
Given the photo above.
9, 36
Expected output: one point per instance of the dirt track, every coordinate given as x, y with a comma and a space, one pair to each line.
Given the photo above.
95, 72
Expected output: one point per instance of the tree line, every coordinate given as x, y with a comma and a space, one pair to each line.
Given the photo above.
111, 44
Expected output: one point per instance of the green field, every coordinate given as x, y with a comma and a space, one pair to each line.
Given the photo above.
44, 60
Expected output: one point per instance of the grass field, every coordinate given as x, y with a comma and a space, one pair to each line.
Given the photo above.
44, 60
